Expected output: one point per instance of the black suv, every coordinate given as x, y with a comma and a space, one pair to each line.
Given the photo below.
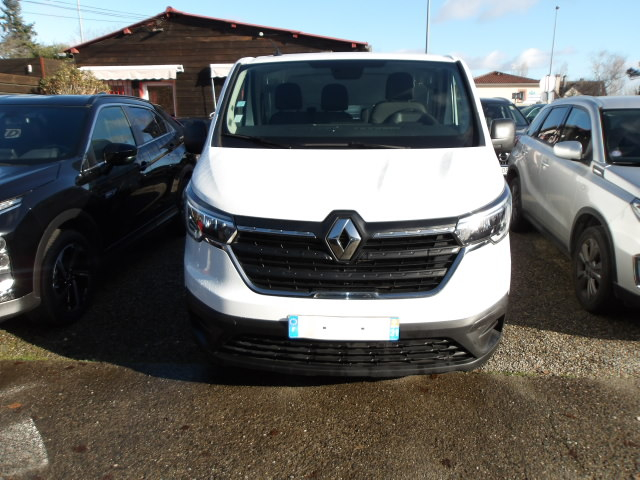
79, 176
497, 107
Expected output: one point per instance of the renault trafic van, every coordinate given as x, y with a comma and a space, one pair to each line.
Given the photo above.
347, 217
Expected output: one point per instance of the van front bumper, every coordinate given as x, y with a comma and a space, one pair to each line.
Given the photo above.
422, 348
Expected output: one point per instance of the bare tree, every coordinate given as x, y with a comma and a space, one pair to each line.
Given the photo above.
609, 68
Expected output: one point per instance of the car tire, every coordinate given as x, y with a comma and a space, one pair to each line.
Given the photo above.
66, 279
178, 224
518, 222
593, 270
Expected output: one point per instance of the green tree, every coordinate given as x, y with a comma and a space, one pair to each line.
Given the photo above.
49, 51
17, 39
69, 80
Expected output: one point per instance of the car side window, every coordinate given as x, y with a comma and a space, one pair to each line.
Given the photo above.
578, 128
551, 128
111, 126
147, 124
532, 131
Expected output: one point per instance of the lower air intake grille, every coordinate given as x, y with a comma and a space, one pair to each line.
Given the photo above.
426, 352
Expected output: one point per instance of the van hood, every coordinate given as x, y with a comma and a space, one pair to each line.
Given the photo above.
625, 177
16, 180
381, 185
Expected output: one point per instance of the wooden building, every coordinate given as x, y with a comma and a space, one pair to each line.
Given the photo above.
179, 60
23, 75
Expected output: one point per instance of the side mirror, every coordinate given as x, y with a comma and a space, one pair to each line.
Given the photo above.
503, 134
571, 150
195, 134
119, 153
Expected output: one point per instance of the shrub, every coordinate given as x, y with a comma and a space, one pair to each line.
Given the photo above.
69, 80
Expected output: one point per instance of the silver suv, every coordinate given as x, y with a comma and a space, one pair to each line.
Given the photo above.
575, 175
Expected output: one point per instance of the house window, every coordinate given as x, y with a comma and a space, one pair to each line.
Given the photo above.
120, 87
161, 93
523, 94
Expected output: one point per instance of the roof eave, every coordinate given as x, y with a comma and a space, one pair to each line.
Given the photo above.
172, 11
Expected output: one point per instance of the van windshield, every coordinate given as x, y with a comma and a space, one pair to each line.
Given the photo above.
349, 104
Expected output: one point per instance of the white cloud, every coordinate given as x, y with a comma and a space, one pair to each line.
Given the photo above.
531, 62
493, 61
483, 9
532, 57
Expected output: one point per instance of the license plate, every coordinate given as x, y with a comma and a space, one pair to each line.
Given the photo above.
344, 328
504, 170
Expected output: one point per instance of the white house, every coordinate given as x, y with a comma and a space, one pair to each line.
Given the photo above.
520, 90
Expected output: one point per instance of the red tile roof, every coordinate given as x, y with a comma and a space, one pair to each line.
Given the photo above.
494, 78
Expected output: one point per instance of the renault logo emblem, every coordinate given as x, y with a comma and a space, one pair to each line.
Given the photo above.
343, 239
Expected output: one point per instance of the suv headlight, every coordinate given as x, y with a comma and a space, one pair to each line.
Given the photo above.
6, 279
489, 224
206, 223
635, 206
9, 204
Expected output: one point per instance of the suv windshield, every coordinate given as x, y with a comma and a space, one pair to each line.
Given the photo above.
39, 134
621, 129
493, 110
349, 104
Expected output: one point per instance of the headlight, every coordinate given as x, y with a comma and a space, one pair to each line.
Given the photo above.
491, 223
6, 280
205, 223
10, 203
635, 206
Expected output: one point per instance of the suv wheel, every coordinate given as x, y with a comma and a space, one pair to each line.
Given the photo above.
592, 272
178, 225
67, 277
518, 222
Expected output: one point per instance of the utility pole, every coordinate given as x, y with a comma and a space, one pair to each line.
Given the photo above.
80, 21
426, 47
553, 42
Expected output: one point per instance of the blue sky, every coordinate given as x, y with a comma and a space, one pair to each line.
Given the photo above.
514, 36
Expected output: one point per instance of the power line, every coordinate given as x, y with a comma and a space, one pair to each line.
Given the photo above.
93, 10
75, 18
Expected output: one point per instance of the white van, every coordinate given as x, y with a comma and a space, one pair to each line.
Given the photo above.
347, 217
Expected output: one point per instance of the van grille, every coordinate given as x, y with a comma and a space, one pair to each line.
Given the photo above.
382, 266
416, 352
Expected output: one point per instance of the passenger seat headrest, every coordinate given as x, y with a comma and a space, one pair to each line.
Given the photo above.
288, 96
399, 86
334, 98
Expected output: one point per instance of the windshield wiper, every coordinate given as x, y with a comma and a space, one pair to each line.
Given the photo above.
625, 163
256, 140
352, 145
373, 145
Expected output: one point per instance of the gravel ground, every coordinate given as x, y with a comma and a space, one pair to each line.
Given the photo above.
547, 332
125, 393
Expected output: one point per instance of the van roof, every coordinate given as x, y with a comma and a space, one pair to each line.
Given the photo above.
305, 57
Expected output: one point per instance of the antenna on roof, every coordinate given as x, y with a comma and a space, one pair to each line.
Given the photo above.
277, 49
